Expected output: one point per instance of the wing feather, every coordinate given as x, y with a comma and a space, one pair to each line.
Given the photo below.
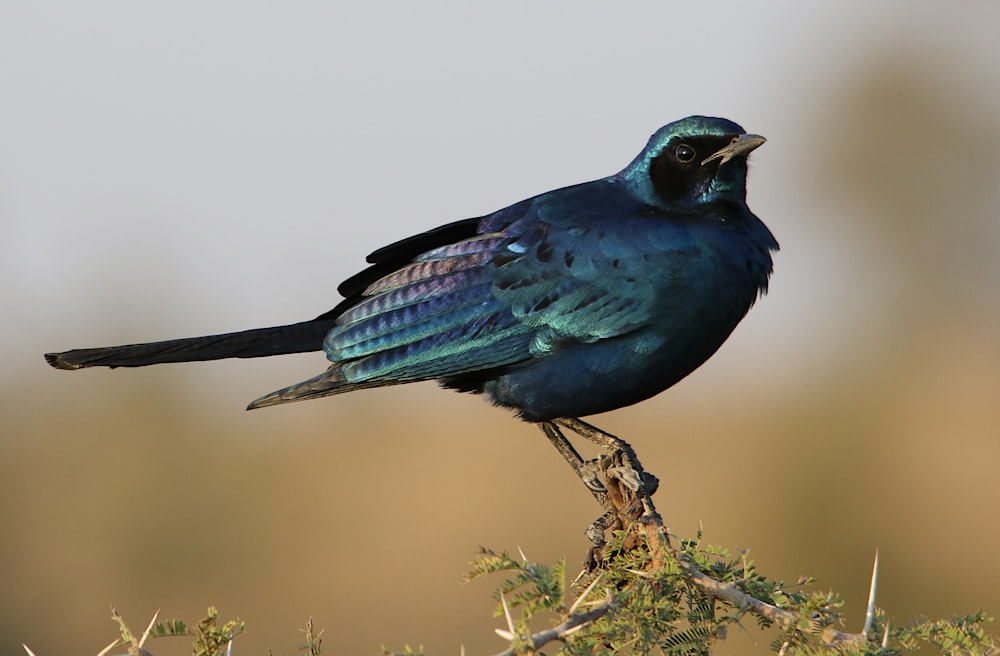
437, 316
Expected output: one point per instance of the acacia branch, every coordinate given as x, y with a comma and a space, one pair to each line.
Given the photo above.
633, 505
573, 623
731, 594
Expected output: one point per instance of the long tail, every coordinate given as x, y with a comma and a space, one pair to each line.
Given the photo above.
261, 342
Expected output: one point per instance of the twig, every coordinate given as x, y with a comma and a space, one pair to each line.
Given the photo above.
573, 624
733, 595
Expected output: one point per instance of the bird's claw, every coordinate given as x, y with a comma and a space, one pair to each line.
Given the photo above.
589, 475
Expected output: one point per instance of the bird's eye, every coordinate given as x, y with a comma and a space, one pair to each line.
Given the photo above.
684, 153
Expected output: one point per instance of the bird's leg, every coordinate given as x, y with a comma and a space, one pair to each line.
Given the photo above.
623, 464
628, 488
586, 470
594, 434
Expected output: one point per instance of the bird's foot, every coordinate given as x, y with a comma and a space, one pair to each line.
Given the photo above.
616, 479
590, 472
595, 533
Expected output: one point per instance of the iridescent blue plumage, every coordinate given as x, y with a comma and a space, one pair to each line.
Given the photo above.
576, 301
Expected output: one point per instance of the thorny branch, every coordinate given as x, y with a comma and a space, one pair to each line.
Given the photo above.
573, 623
629, 504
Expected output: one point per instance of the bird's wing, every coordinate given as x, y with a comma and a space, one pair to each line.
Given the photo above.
596, 276
436, 316
387, 259
562, 267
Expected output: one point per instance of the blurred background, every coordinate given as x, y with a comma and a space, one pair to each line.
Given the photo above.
187, 168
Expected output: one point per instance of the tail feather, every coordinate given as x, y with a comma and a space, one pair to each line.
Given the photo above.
260, 342
331, 381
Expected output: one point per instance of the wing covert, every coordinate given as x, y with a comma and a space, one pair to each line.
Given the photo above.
582, 284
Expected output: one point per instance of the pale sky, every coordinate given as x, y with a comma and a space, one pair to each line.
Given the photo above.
188, 168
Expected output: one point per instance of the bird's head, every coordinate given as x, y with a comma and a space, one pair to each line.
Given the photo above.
695, 160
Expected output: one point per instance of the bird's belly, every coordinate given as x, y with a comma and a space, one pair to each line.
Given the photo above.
589, 378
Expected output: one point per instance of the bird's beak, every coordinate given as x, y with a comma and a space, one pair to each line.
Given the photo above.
739, 146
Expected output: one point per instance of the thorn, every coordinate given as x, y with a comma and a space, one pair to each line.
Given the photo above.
145, 634
870, 614
30, 653
528, 565
583, 595
784, 648
506, 612
885, 636
229, 647
512, 630
114, 643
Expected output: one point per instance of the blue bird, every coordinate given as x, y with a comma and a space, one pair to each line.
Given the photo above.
574, 302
